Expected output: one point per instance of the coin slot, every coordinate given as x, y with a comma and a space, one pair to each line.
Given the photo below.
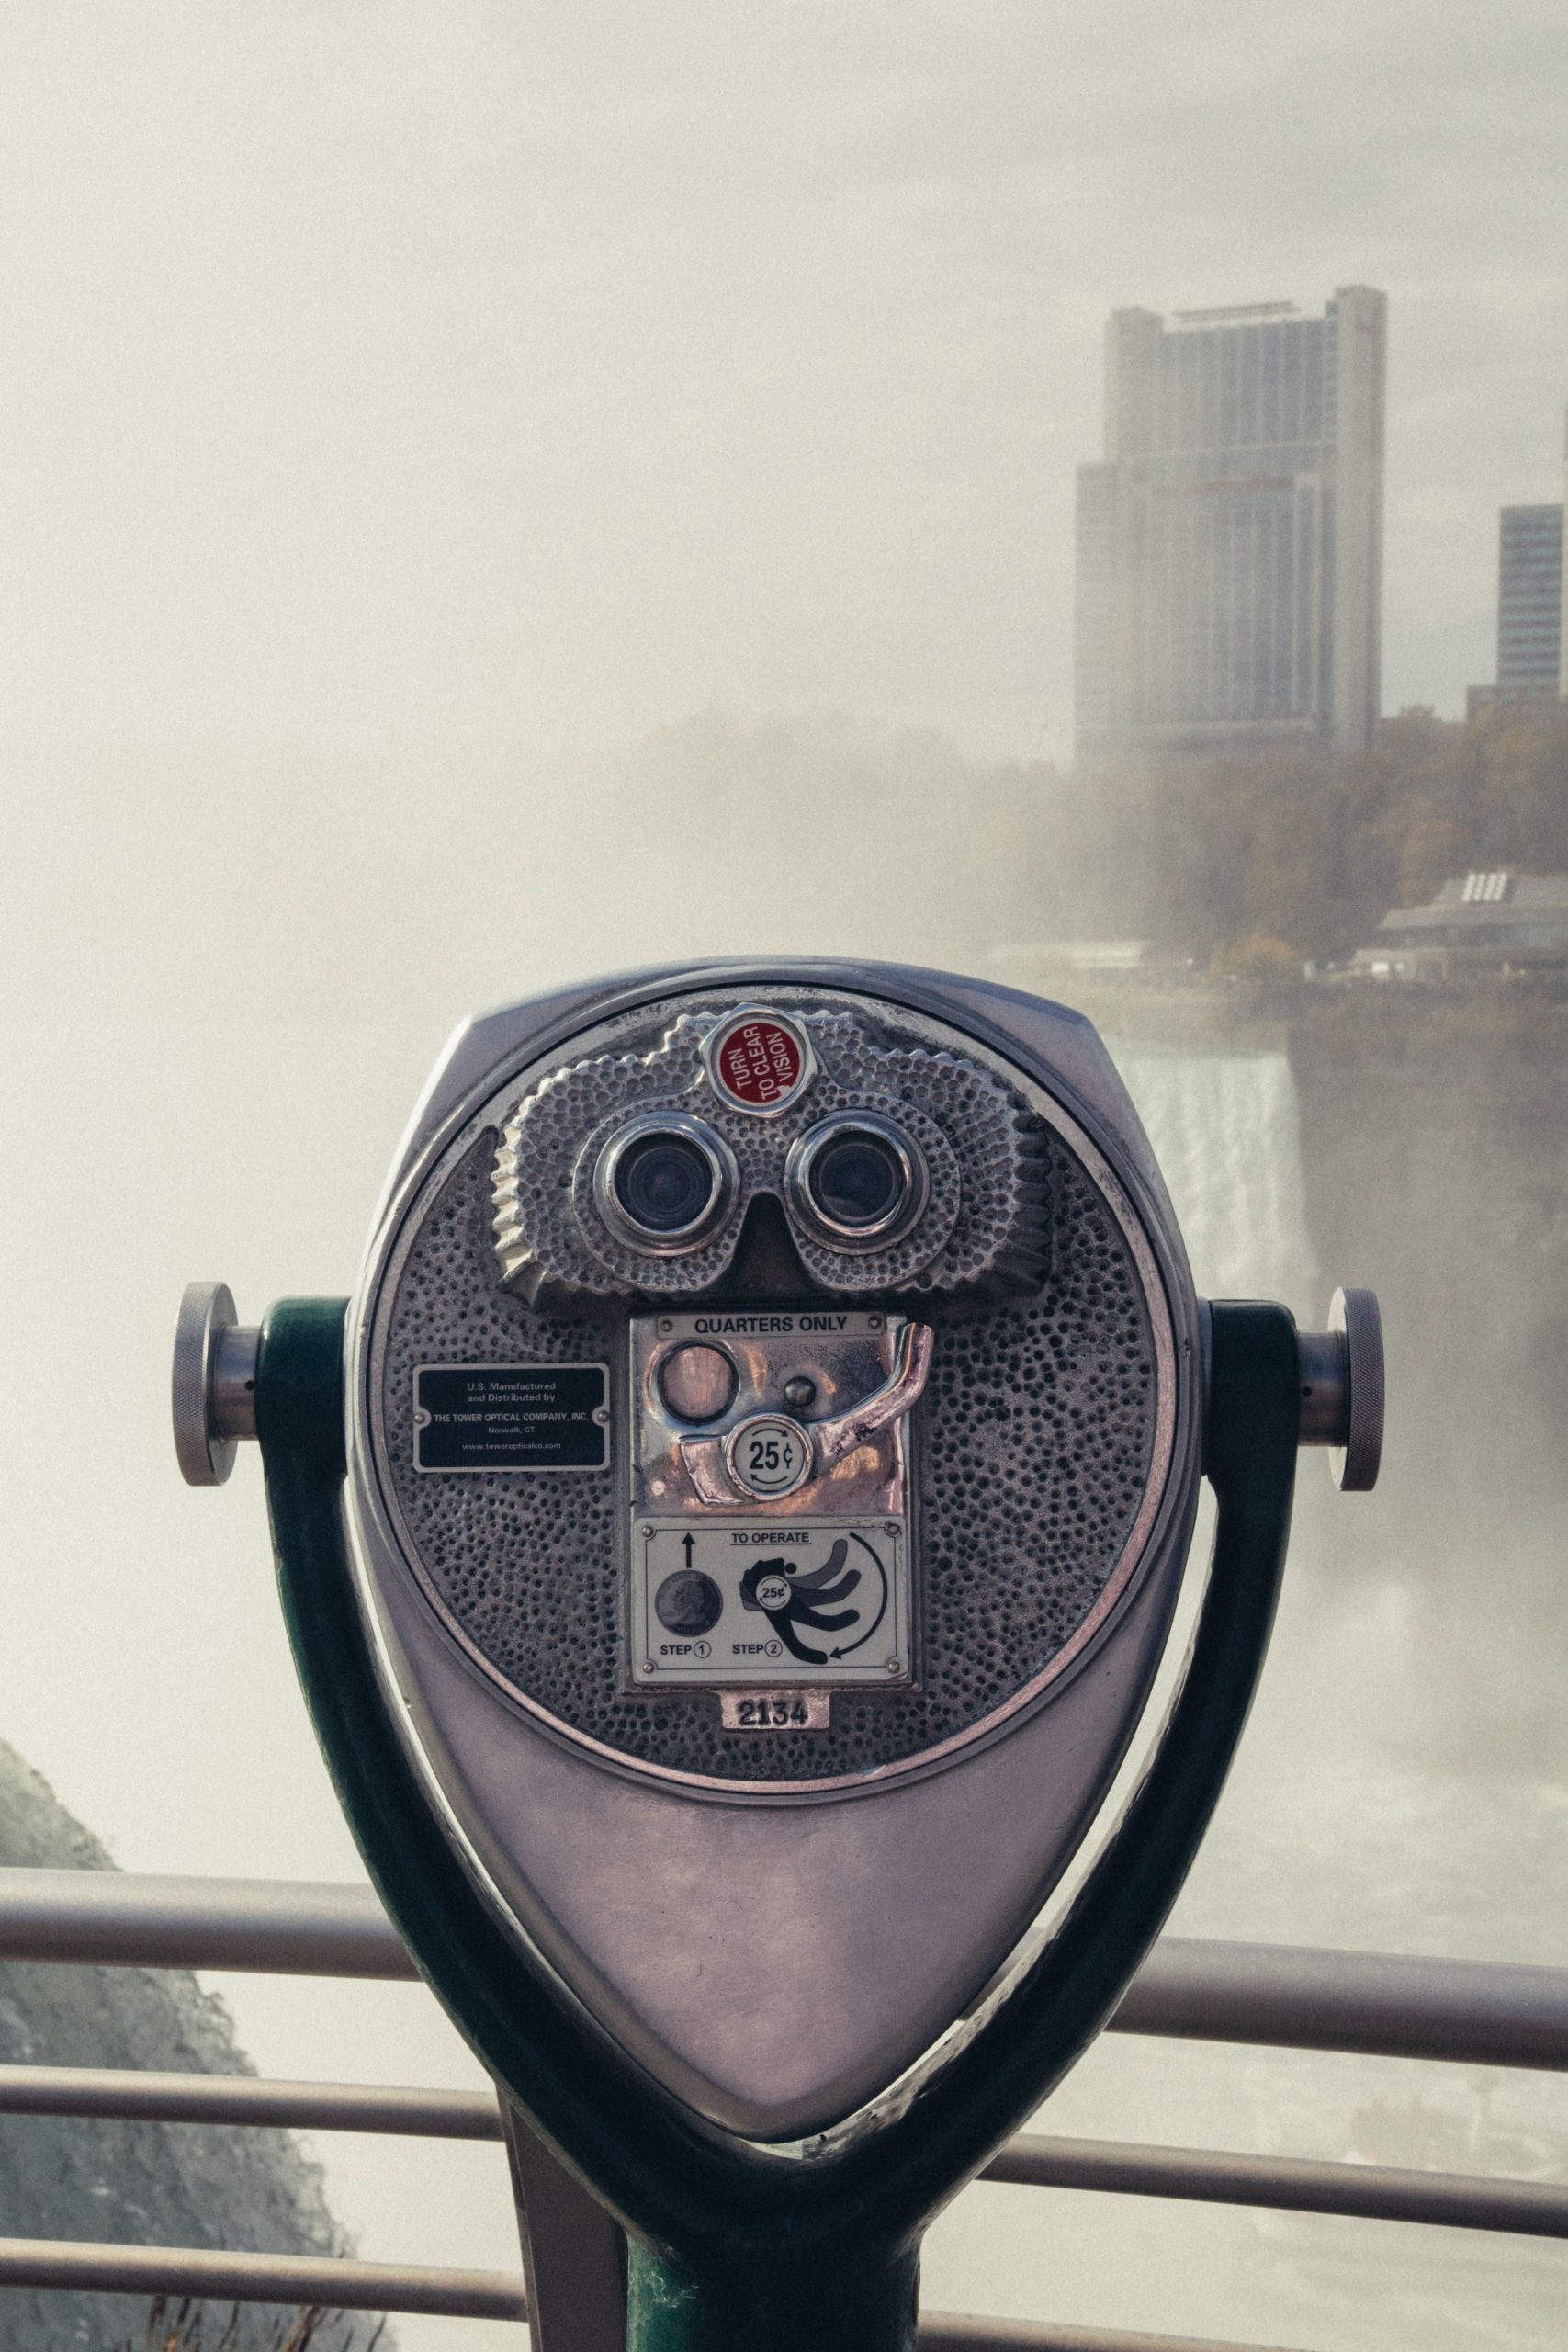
698, 1383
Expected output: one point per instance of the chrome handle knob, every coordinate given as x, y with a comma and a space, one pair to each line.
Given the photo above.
1342, 1389
897, 1396
213, 1393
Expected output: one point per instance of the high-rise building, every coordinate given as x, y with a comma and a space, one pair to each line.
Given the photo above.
1230, 542
1529, 602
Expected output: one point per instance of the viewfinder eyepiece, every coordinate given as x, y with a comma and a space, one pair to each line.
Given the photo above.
665, 1182
856, 1180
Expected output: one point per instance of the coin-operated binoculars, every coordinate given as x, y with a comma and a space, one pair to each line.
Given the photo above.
729, 1550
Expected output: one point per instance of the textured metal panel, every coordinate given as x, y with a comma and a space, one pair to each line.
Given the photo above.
1048, 1412
986, 1226
625, 1880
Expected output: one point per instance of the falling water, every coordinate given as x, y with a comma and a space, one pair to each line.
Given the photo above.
1226, 1130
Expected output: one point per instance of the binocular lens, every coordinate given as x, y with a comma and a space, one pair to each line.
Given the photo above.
664, 1183
856, 1181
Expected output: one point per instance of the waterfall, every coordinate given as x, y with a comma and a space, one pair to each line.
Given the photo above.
1225, 1131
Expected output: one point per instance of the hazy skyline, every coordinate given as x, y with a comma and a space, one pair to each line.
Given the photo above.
547, 373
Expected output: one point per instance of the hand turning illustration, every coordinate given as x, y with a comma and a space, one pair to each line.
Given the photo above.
788, 1598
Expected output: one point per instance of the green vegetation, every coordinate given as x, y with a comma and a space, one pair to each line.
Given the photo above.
1261, 864
821, 832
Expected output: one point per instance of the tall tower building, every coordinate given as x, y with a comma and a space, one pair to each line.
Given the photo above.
1529, 602
1230, 542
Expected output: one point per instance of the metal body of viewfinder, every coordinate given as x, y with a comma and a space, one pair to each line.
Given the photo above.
775, 1405
683, 1548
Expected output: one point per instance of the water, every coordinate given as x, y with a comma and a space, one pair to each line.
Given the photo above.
1227, 1132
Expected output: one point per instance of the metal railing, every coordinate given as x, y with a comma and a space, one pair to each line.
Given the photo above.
1285, 1996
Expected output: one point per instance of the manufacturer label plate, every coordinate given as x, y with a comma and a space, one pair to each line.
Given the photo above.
800, 1602
512, 1416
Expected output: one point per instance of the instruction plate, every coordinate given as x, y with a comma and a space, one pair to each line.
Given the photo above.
797, 1602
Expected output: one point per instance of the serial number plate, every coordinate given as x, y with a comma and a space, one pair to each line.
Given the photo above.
774, 1710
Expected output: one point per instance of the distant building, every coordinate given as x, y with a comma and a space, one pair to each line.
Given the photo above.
1230, 542
1529, 602
1487, 923
1532, 617
1025, 962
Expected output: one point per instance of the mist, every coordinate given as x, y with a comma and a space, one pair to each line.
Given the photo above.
422, 881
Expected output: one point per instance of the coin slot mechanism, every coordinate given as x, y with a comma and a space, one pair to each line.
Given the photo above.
770, 1523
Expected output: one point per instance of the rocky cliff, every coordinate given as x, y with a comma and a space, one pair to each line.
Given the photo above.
158, 2184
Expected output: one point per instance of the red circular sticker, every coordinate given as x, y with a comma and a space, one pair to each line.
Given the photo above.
759, 1061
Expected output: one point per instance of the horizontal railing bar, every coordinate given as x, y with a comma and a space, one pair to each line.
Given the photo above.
127, 2092
1482, 2013
944, 2332
295, 2279
1284, 2184
1372, 2003
1287, 2184
338, 2285
277, 1926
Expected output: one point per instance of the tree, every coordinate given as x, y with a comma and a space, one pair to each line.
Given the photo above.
1236, 859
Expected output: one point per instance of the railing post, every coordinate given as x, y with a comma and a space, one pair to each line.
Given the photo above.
574, 2256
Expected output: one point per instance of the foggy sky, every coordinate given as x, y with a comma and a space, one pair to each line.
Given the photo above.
545, 372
